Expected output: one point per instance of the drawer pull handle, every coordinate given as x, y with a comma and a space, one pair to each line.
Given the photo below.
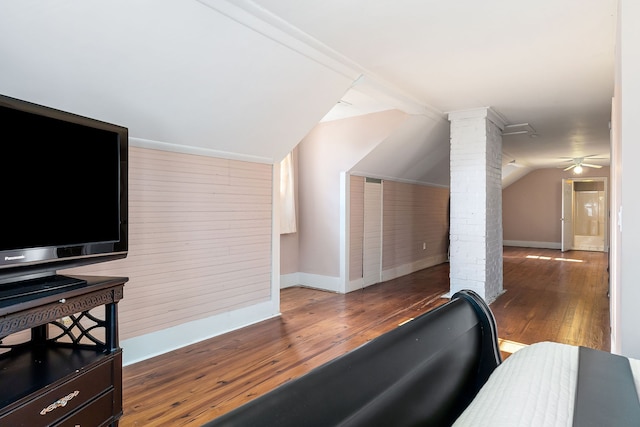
60, 402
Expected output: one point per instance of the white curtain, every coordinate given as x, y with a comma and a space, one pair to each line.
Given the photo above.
287, 196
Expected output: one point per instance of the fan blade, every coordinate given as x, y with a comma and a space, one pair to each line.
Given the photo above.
514, 164
570, 167
591, 166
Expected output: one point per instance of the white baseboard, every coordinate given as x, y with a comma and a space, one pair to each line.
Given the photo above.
332, 284
317, 281
400, 271
156, 343
355, 285
530, 244
412, 267
289, 280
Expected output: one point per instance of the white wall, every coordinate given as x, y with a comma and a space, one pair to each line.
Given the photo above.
329, 150
626, 176
364, 145
532, 207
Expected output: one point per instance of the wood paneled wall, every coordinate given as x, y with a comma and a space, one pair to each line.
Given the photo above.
415, 216
200, 234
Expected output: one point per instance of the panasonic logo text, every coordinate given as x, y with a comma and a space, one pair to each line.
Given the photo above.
11, 258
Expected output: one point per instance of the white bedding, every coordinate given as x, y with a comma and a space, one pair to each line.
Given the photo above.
533, 387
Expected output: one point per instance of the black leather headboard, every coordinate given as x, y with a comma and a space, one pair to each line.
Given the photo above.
424, 372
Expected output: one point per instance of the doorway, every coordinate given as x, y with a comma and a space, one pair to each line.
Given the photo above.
584, 214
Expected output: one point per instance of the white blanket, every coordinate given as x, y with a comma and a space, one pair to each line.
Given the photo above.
533, 387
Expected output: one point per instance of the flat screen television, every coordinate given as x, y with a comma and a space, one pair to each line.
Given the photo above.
63, 194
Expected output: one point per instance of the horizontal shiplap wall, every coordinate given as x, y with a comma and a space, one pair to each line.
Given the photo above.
199, 239
415, 217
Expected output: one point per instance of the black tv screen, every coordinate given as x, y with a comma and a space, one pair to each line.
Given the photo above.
64, 190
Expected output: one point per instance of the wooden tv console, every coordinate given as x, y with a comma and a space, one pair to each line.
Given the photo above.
65, 368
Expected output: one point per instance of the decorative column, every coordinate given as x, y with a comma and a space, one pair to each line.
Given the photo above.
476, 203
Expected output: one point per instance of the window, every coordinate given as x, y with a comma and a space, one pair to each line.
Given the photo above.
287, 196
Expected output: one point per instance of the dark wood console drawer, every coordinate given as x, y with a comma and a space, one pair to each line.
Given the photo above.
47, 408
96, 414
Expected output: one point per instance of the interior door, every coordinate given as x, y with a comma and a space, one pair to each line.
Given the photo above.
372, 240
590, 218
567, 215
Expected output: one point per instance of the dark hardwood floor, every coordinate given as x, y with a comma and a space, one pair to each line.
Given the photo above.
549, 295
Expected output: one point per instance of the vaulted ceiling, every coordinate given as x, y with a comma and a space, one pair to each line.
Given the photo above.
252, 78
547, 64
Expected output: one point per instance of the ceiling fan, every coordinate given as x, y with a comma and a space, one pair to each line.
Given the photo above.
578, 164
515, 164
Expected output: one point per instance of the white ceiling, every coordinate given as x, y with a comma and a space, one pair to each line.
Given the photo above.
250, 78
548, 63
